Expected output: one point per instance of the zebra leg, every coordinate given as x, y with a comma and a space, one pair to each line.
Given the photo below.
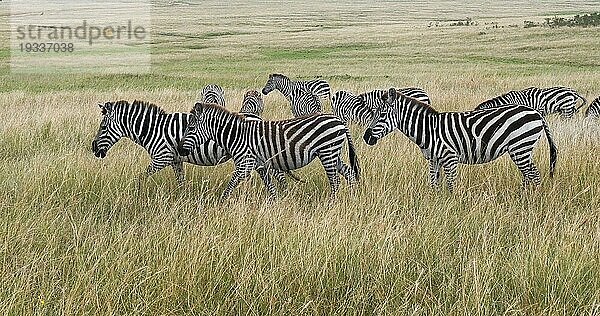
450, 171
523, 160
346, 172
280, 176
434, 173
242, 171
534, 174
179, 173
264, 172
235, 180
329, 163
155, 166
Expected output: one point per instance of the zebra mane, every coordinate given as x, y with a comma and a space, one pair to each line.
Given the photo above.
139, 103
423, 104
280, 75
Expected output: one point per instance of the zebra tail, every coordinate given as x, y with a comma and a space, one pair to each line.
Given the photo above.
582, 99
553, 149
352, 155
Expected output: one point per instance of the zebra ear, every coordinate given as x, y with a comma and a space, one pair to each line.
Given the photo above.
198, 108
392, 96
105, 107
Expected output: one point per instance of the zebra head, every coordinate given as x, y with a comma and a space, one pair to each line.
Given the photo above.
276, 81
382, 122
109, 132
270, 85
196, 132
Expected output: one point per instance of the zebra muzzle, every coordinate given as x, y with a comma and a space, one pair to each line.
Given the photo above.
98, 152
181, 150
368, 137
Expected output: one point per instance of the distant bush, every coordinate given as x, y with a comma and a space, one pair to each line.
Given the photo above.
529, 24
586, 20
467, 22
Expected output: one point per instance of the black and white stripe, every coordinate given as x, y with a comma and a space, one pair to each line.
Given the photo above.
253, 103
213, 93
447, 139
593, 111
304, 96
157, 131
305, 103
359, 108
561, 100
273, 145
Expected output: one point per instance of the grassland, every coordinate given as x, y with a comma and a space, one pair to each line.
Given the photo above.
79, 237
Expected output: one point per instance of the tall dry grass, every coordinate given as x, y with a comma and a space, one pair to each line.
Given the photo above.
80, 237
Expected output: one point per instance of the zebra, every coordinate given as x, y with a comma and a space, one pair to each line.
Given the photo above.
561, 100
253, 103
304, 96
267, 145
159, 133
213, 93
480, 136
593, 111
359, 108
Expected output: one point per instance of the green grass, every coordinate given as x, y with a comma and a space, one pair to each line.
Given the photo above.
77, 235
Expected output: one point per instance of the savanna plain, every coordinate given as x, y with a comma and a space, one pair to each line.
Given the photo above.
77, 235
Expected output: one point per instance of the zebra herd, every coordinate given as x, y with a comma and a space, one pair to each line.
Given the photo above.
210, 134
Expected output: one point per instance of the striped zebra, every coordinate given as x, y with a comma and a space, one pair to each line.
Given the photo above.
273, 145
561, 100
253, 103
304, 96
447, 139
359, 108
213, 93
593, 111
159, 133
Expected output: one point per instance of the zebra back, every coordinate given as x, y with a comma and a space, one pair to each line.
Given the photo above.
213, 93
305, 103
359, 108
546, 101
350, 108
318, 87
286, 86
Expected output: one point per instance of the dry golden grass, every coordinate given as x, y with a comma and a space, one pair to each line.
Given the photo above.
79, 237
